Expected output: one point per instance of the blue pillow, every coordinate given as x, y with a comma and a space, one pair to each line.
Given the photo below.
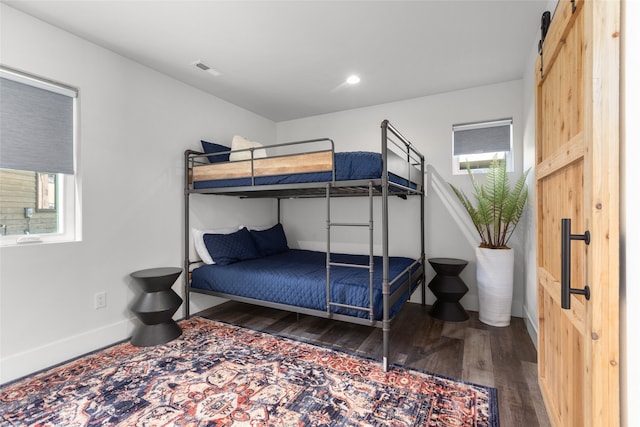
270, 241
211, 148
229, 248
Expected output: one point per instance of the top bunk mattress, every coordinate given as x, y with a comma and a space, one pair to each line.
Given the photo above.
349, 166
298, 277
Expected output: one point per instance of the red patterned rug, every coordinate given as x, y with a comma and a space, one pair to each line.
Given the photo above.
216, 374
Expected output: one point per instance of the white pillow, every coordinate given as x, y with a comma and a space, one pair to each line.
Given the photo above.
198, 241
240, 143
255, 227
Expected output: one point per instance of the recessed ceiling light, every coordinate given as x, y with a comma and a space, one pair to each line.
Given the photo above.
204, 67
353, 79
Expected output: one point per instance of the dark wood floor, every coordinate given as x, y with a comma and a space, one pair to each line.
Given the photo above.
504, 358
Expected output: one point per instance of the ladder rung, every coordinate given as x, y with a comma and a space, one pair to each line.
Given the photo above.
349, 224
342, 264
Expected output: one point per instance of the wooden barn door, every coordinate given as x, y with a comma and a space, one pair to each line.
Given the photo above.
577, 178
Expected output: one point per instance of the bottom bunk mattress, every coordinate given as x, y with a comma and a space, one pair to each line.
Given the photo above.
299, 278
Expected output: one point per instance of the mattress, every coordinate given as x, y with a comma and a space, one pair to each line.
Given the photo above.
298, 277
349, 166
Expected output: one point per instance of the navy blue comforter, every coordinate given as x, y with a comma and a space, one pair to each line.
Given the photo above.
298, 277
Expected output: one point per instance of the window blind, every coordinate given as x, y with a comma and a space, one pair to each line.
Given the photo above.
477, 138
36, 124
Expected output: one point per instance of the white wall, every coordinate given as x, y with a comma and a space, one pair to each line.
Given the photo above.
134, 126
427, 122
530, 306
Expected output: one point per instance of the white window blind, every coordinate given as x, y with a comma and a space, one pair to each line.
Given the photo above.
479, 138
36, 124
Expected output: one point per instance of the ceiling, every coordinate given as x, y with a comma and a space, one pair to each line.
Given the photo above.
289, 59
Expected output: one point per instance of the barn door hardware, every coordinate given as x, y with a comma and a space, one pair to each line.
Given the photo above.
565, 280
541, 57
545, 21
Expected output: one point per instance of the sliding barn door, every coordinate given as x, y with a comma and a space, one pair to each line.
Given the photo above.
577, 177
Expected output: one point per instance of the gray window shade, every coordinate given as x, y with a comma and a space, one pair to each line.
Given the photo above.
482, 138
36, 128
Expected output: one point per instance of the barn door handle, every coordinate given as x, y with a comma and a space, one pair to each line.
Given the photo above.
565, 281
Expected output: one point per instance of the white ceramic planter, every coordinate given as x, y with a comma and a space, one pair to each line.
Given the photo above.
494, 274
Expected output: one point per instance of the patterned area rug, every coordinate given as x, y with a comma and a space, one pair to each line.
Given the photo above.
216, 374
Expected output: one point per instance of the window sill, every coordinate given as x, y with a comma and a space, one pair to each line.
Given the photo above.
34, 240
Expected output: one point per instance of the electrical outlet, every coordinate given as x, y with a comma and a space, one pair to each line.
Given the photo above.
100, 300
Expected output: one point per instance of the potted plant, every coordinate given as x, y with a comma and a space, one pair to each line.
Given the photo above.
495, 214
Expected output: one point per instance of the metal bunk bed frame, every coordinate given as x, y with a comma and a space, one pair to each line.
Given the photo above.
369, 188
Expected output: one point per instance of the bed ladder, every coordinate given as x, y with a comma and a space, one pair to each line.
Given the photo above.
330, 263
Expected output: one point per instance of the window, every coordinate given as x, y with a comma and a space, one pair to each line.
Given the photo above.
38, 200
476, 144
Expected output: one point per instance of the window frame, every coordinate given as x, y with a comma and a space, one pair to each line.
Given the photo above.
67, 185
459, 166
40, 190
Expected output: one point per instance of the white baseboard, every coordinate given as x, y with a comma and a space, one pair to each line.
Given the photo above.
200, 302
33, 360
532, 326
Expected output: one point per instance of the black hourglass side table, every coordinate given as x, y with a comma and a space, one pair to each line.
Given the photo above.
155, 306
448, 289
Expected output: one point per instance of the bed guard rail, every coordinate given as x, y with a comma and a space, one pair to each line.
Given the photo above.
400, 157
311, 155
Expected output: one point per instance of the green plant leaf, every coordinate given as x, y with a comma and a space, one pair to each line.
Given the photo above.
471, 210
498, 208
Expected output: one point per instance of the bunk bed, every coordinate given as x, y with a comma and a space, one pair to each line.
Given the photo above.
364, 289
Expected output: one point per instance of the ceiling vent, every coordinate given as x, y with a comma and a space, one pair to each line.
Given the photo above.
208, 69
